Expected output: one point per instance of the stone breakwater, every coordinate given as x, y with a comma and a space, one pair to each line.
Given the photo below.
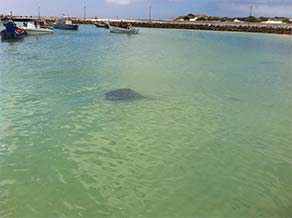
219, 26
201, 25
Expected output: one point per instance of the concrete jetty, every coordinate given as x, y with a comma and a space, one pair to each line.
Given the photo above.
193, 25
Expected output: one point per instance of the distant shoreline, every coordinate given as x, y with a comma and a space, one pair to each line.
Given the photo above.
193, 25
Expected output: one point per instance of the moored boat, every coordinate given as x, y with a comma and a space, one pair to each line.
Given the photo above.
65, 24
36, 28
11, 31
128, 28
102, 25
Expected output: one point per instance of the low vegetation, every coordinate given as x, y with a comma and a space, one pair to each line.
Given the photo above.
202, 17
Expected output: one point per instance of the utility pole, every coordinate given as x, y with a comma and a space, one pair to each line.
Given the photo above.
84, 11
150, 12
250, 13
250, 10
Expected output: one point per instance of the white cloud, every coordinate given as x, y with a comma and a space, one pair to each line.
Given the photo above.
127, 2
123, 2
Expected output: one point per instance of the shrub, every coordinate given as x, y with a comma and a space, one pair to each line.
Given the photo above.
286, 20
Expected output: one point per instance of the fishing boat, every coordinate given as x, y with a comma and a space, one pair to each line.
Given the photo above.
65, 24
129, 29
36, 28
11, 31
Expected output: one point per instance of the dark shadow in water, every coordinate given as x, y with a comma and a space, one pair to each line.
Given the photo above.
234, 99
124, 94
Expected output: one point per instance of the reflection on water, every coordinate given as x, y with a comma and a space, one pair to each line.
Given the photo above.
212, 138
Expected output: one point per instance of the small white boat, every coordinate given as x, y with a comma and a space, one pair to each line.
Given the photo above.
35, 28
129, 30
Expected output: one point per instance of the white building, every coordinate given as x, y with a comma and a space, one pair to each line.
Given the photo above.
237, 21
194, 19
273, 21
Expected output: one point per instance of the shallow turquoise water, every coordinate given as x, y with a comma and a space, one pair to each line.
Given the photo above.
212, 138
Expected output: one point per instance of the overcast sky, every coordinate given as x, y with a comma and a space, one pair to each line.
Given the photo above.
139, 8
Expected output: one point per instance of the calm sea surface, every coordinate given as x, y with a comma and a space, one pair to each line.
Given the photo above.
212, 138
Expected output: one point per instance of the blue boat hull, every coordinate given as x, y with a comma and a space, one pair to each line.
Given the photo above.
66, 27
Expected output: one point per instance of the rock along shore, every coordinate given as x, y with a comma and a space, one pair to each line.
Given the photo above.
198, 25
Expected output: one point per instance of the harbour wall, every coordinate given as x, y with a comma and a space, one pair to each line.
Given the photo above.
219, 26
197, 25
